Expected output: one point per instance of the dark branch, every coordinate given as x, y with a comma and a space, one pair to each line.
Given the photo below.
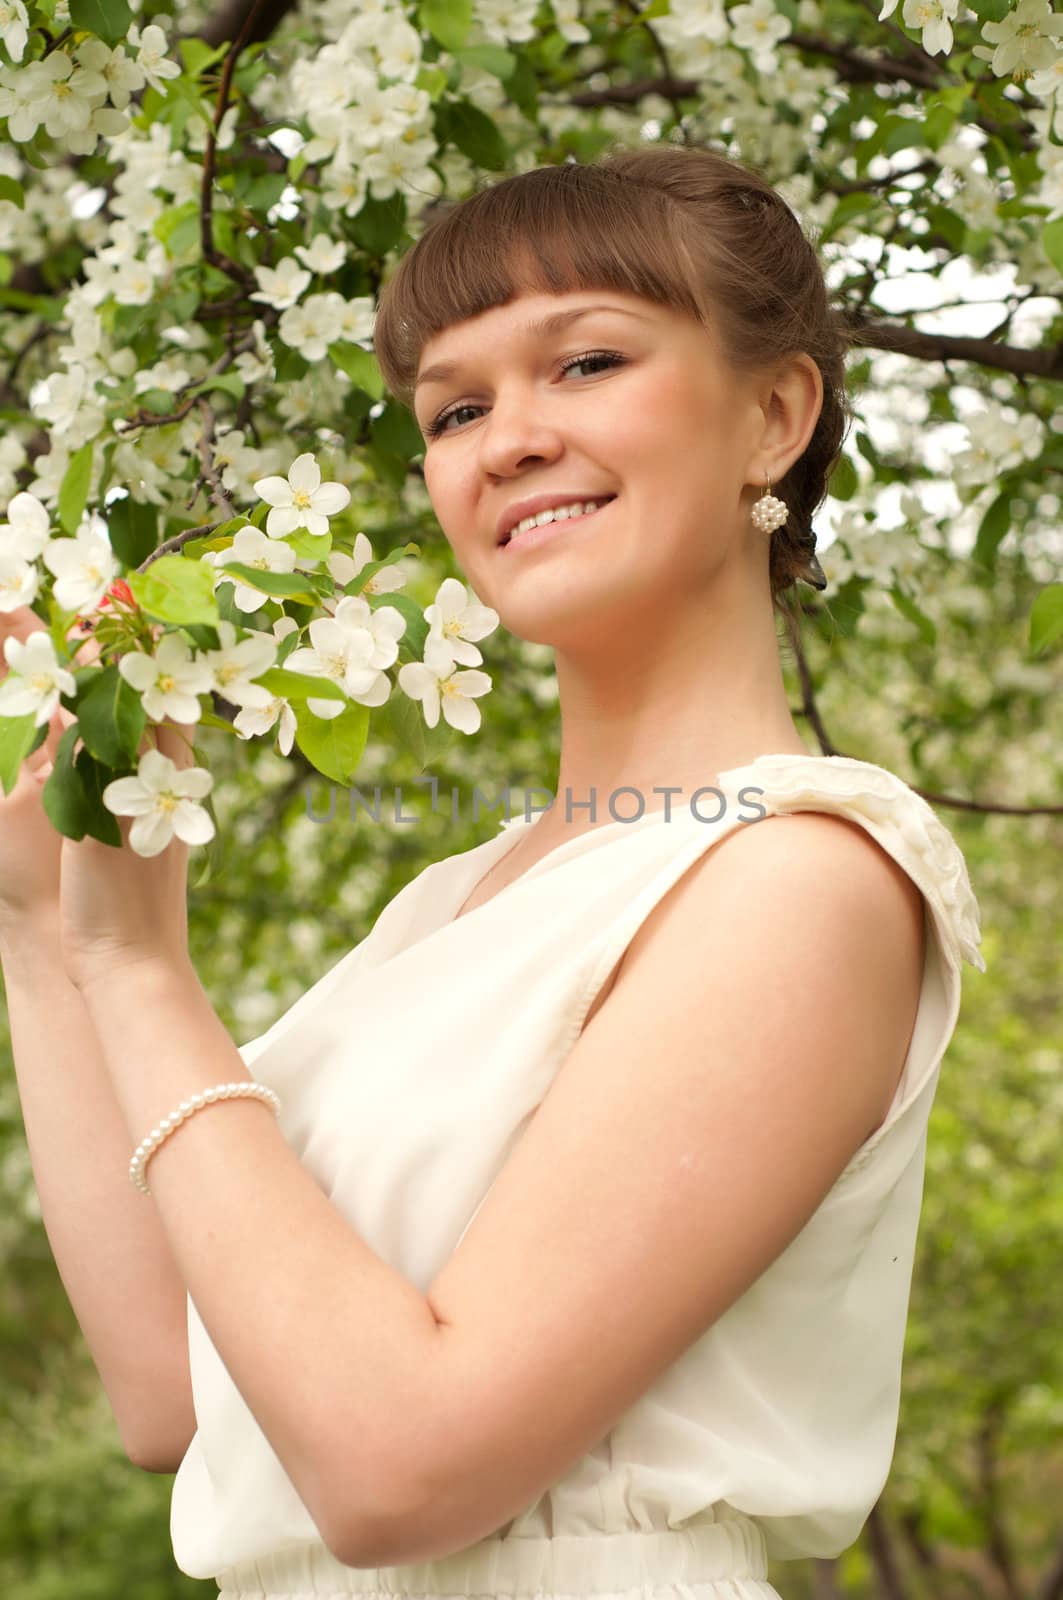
229, 20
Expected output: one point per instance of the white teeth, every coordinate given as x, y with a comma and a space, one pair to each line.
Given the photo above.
560, 514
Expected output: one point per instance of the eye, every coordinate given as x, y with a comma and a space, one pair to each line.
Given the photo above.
612, 358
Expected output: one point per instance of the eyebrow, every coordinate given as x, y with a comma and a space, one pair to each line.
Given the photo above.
544, 327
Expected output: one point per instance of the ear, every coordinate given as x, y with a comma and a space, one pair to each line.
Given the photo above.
791, 400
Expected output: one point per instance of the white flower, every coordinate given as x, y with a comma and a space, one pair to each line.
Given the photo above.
167, 374
36, 679
933, 18
301, 500
84, 568
252, 548
259, 719
151, 51
280, 287
162, 797
311, 327
65, 94
19, 581
14, 27
1023, 40
351, 648
758, 27
322, 255
20, 100
255, 720
355, 319
27, 527
256, 363
235, 665
455, 619
120, 72
169, 681
454, 690
344, 569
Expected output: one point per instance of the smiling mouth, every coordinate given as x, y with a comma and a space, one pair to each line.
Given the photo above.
583, 516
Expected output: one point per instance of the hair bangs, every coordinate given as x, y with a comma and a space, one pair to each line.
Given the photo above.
552, 230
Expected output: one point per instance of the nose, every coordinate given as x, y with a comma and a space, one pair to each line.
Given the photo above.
516, 434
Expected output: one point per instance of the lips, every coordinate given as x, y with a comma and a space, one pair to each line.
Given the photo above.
560, 505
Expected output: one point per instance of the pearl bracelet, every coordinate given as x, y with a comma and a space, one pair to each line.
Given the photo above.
223, 1091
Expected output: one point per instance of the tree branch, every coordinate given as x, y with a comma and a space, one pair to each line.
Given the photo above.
210, 474
229, 21
987, 352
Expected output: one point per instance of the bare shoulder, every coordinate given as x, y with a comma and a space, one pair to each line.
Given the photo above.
811, 893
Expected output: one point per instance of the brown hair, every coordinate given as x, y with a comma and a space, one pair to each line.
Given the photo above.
685, 227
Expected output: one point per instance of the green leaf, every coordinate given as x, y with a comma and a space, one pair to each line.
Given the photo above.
160, 402
461, 123
334, 745
175, 590
309, 546
448, 21
908, 608
74, 489
63, 797
416, 622
197, 55
433, 80
359, 365
406, 721
995, 526
1052, 242
300, 685
229, 382
108, 19
12, 191
488, 58
1046, 617
264, 191
178, 227
100, 823
396, 431
133, 530
111, 717
18, 735
843, 482
282, 585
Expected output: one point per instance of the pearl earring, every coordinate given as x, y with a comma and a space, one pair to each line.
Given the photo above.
769, 512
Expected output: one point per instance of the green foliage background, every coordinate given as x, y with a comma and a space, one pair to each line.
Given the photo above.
931, 675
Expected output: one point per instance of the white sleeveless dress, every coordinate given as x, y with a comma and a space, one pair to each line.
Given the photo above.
772, 1435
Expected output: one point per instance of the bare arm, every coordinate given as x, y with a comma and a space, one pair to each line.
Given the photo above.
109, 1246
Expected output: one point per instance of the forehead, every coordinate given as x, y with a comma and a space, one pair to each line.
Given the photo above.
530, 316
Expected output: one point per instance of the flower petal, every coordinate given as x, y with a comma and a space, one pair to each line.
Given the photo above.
304, 473
274, 491
151, 834
330, 499
191, 823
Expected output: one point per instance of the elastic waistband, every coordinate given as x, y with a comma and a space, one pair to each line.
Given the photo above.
567, 1564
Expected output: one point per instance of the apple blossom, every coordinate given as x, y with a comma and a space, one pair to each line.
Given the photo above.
162, 798
169, 681
455, 619
36, 680
83, 566
237, 663
440, 685
301, 500
27, 528
253, 548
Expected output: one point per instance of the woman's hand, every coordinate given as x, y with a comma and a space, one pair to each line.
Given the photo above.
117, 908
30, 844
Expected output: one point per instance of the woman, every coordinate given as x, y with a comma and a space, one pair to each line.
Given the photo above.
579, 1258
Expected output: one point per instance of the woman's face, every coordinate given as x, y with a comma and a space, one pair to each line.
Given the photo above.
617, 396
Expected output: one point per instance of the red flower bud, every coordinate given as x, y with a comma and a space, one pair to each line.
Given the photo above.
121, 591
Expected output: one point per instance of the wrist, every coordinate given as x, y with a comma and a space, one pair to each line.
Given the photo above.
134, 979
31, 939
